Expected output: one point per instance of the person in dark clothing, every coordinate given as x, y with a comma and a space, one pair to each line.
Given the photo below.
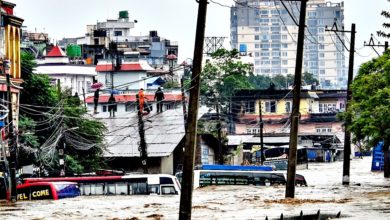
159, 97
95, 101
112, 105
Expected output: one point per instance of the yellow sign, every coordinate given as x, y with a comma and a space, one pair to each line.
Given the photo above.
22, 196
40, 193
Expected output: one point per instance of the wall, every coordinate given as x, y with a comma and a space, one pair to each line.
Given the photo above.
167, 165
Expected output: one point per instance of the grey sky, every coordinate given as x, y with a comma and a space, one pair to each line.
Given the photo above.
173, 19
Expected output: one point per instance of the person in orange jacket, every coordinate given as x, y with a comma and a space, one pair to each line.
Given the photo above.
141, 97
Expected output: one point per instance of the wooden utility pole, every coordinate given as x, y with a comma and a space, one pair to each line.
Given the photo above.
191, 132
220, 155
347, 133
372, 44
183, 101
295, 114
12, 145
59, 88
262, 158
142, 143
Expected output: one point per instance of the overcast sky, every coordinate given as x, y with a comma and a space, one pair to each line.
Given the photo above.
173, 19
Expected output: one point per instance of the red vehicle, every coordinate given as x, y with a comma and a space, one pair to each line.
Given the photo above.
47, 190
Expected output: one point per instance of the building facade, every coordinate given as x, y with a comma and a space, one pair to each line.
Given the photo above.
267, 31
77, 78
318, 110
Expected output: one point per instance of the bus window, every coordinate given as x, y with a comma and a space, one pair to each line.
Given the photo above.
85, 189
206, 178
168, 190
225, 178
99, 189
166, 180
154, 189
121, 189
110, 189
244, 178
138, 188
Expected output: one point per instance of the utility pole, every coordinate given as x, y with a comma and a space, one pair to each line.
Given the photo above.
142, 142
61, 155
372, 44
220, 156
262, 159
12, 145
295, 114
191, 131
59, 88
347, 133
183, 101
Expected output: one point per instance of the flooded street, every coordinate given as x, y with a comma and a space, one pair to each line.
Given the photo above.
368, 196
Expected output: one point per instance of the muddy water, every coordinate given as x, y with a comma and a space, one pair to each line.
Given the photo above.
367, 197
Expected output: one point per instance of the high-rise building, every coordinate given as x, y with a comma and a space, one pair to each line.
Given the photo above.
267, 30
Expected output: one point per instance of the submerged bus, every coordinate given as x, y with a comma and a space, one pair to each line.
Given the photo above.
135, 184
241, 177
47, 190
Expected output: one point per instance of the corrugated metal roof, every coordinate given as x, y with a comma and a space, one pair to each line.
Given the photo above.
163, 132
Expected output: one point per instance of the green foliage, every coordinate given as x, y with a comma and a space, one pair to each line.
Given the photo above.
308, 79
369, 112
171, 84
221, 75
43, 113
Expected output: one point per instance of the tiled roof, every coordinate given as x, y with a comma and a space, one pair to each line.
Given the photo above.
124, 67
56, 51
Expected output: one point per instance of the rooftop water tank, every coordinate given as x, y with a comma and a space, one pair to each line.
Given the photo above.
73, 51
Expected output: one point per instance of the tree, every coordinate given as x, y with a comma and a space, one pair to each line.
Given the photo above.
221, 75
385, 14
369, 112
309, 79
46, 121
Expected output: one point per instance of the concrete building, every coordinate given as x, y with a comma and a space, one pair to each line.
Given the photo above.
95, 43
77, 78
266, 30
318, 110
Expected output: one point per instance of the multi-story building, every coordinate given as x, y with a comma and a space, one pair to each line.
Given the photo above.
10, 35
266, 30
98, 37
318, 110
78, 78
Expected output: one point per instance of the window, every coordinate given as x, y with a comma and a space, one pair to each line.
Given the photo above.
270, 106
284, 45
323, 130
253, 130
285, 62
284, 54
117, 33
249, 107
257, 37
284, 37
321, 47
